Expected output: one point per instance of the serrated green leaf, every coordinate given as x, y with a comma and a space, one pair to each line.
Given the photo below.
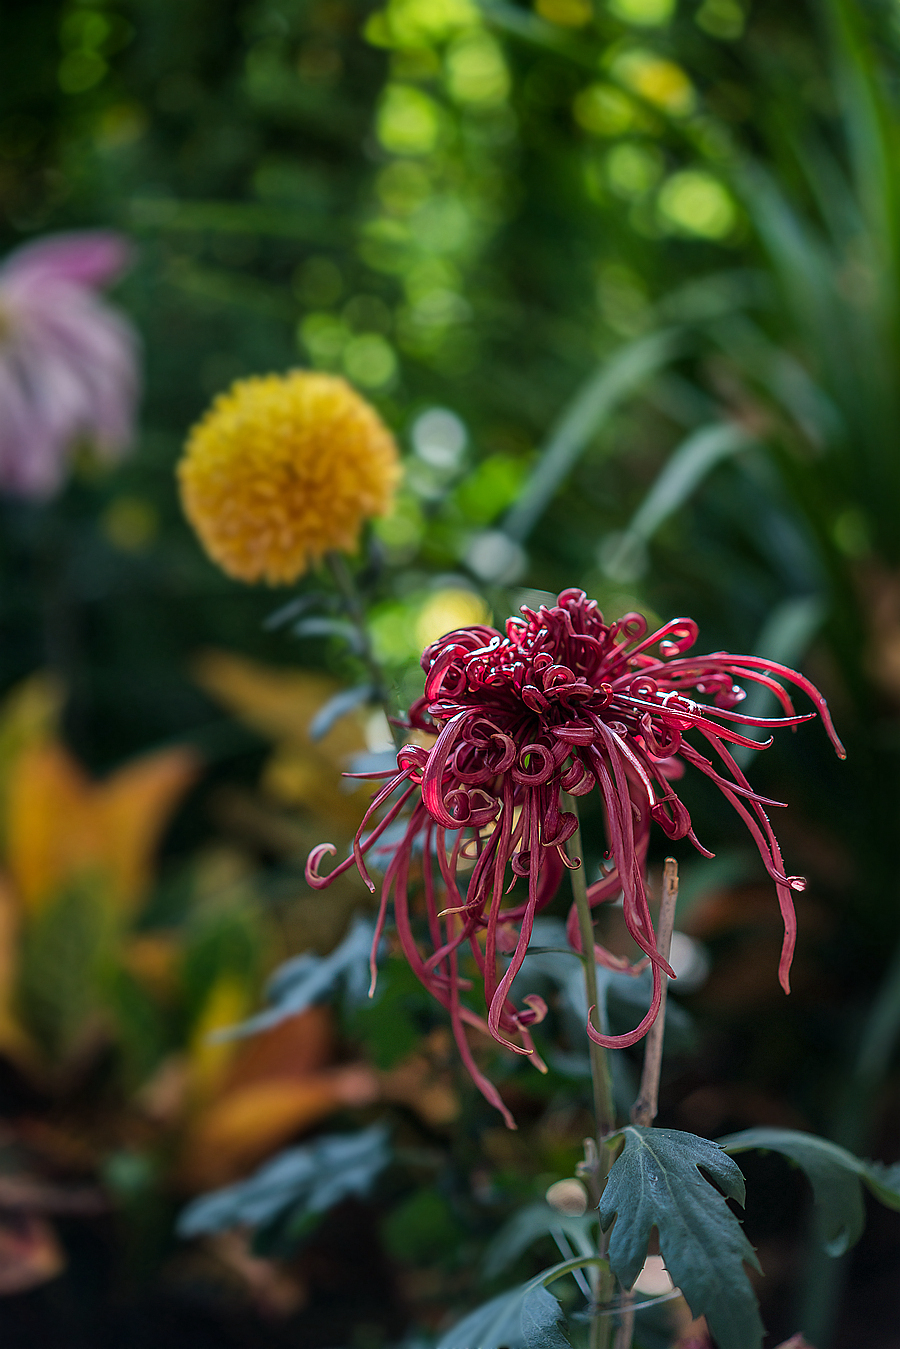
656, 1181
498, 1324
830, 1170
836, 1177
309, 978
542, 1321
489, 1326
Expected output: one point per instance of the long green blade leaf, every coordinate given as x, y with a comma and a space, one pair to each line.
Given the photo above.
591, 408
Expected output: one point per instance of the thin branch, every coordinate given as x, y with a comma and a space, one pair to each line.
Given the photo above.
355, 611
597, 1153
643, 1112
603, 1099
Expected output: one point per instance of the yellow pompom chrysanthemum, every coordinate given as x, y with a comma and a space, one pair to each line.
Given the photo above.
283, 469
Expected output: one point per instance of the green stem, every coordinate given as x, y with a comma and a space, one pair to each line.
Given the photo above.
643, 1112
598, 1165
604, 1109
356, 613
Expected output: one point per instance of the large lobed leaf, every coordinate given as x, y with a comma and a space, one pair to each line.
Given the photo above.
836, 1176
525, 1317
656, 1181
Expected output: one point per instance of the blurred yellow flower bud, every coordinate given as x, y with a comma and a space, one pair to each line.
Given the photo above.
281, 470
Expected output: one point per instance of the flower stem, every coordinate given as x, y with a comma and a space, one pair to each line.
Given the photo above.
604, 1109
599, 1154
643, 1112
356, 613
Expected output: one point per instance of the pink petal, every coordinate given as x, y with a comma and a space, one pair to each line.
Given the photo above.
81, 258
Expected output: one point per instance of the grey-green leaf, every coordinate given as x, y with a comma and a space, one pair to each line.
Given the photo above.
656, 1181
884, 1182
524, 1228
294, 609
309, 978
313, 1178
494, 1323
338, 707
500, 1323
836, 1177
542, 1321
329, 627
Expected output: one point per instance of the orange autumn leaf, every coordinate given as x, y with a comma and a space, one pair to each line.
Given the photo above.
280, 704
276, 1084
61, 825
13, 1039
292, 1050
29, 716
209, 1056
243, 1127
30, 1253
135, 804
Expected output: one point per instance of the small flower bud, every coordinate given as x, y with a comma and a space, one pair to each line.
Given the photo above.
568, 1196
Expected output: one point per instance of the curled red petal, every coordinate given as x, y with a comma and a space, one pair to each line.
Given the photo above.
630, 1037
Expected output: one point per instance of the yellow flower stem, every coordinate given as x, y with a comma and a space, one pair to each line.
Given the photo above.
599, 1155
355, 612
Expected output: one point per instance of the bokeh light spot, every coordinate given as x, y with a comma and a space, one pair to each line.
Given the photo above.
80, 71
369, 360
632, 170
603, 110
409, 122
130, 523
476, 70
694, 202
721, 18
660, 82
446, 610
324, 337
646, 13
439, 437
567, 13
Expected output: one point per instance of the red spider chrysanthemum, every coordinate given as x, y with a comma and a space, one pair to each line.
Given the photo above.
563, 702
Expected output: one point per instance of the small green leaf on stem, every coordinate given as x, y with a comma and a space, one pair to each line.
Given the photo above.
542, 1321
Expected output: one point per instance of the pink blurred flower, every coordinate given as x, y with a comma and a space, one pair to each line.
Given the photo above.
68, 360
561, 703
